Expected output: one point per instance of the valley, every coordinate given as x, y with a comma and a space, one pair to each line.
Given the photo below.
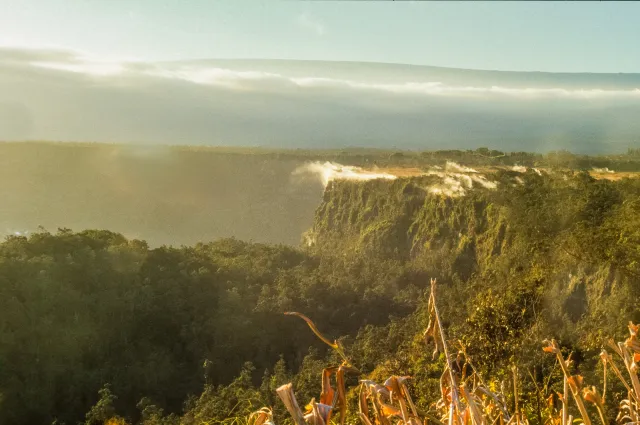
147, 296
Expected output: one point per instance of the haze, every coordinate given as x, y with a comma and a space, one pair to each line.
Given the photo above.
127, 72
160, 73
60, 95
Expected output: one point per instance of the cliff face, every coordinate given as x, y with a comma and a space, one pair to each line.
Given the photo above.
404, 219
570, 241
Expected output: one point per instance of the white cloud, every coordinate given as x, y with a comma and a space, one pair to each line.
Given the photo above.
78, 62
216, 76
603, 170
53, 93
254, 79
457, 180
306, 21
454, 166
84, 67
329, 171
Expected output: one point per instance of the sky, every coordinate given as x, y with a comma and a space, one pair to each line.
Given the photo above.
123, 71
517, 36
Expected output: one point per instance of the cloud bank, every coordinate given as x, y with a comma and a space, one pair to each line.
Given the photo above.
260, 80
65, 95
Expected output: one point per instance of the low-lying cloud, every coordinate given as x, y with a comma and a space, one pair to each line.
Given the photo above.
456, 180
454, 166
603, 170
328, 171
70, 61
66, 95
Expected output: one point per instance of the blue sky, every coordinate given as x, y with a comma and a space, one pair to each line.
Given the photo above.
523, 36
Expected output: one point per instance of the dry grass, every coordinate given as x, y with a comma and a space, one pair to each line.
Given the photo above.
615, 175
415, 171
465, 399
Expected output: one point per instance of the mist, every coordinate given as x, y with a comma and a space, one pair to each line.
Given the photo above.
162, 195
329, 171
64, 96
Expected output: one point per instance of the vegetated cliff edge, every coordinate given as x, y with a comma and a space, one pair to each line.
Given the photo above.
558, 252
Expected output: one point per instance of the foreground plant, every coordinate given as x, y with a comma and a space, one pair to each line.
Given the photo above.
465, 398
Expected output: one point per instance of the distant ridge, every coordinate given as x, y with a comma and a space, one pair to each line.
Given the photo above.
420, 73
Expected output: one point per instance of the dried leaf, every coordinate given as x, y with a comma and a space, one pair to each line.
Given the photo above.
550, 402
263, 416
551, 346
285, 392
591, 395
575, 382
632, 343
388, 410
323, 412
327, 394
313, 328
342, 399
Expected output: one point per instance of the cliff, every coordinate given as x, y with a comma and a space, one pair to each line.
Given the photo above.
567, 240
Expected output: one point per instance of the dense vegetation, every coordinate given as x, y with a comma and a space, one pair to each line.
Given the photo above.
83, 309
95, 325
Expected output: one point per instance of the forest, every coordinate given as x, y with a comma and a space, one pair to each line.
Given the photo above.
97, 327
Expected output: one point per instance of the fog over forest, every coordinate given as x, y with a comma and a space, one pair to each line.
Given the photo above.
163, 196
